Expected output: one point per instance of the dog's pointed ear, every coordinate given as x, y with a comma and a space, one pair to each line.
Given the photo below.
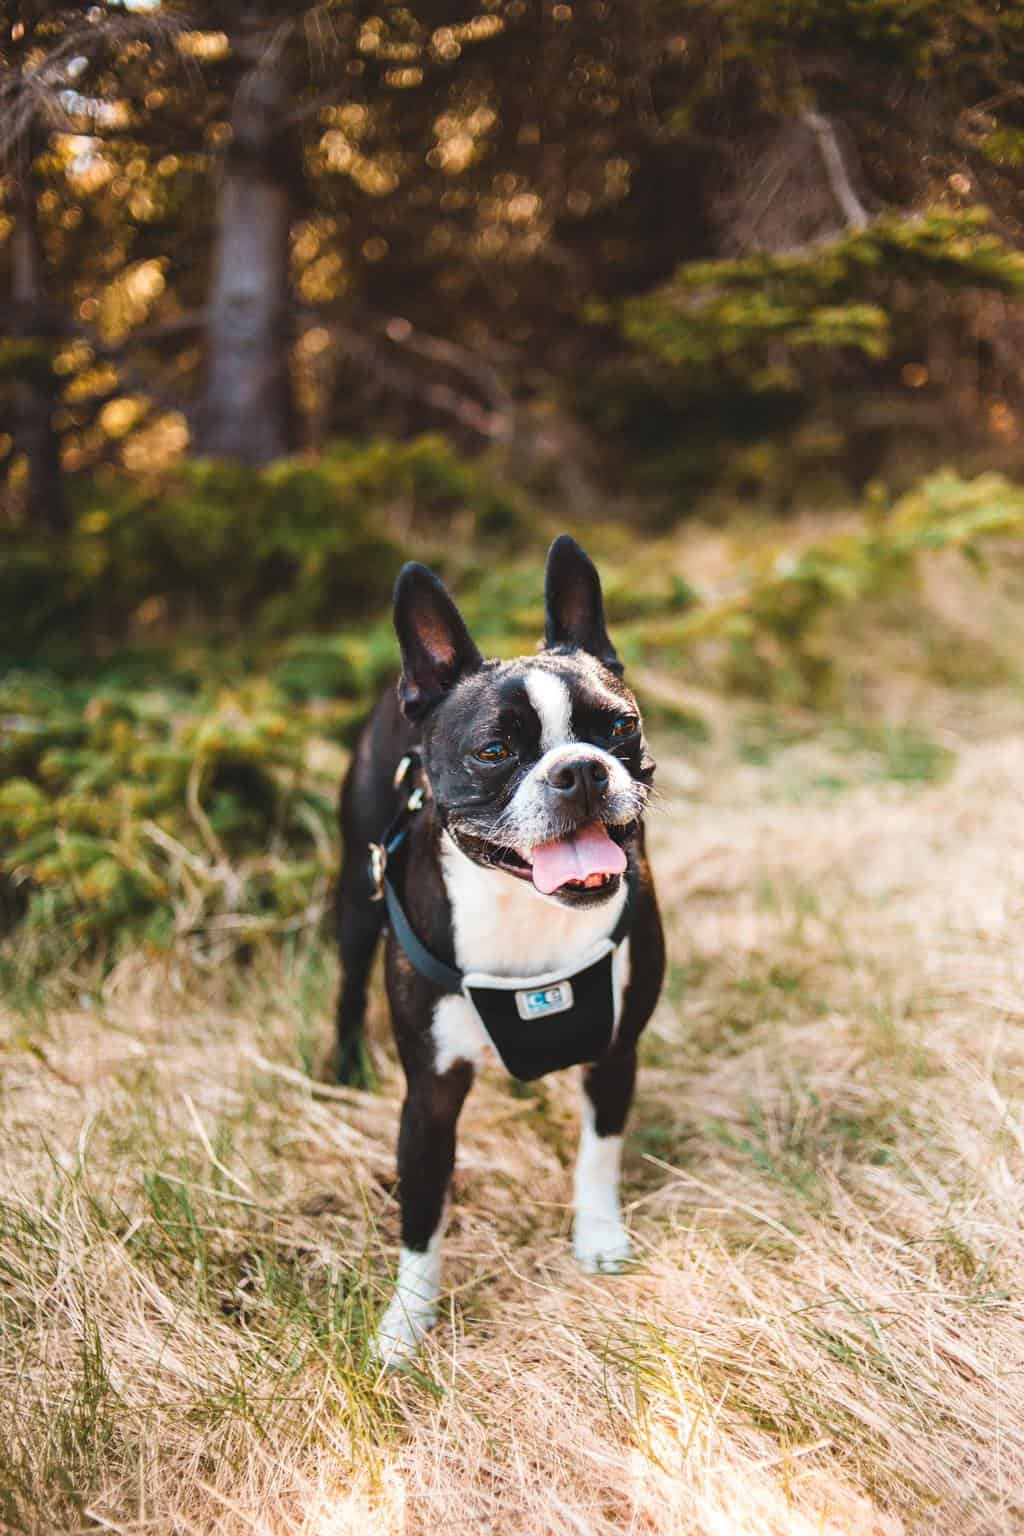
436, 646
574, 606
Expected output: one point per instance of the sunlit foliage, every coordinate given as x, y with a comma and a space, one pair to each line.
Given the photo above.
490, 179
850, 292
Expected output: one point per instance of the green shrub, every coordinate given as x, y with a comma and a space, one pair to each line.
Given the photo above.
734, 315
162, 814
773, 626
222, 548
785, 376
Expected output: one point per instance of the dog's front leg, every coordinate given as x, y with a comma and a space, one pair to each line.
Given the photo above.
426, 1157
600, 1240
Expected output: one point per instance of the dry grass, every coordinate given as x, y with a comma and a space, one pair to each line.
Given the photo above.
824, 1333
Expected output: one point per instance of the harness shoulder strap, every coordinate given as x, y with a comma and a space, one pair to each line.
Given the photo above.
411, 797
428, 965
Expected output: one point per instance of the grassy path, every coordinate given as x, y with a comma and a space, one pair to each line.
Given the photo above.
825, 1331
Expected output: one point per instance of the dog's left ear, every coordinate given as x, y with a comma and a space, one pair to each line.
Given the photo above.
575, 609
436, 645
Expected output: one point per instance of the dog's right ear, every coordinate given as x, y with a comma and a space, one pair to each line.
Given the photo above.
436, 646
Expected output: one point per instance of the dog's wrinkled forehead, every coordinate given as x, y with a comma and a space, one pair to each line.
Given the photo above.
558, 698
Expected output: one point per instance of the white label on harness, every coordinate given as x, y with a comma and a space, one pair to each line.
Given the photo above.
539, 1002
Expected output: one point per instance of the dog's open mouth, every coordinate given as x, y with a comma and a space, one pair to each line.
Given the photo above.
586, 859
590, 859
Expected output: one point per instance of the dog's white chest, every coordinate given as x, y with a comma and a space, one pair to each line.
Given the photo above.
507, 928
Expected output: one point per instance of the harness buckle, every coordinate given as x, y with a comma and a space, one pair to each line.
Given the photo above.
415, 800
378, 864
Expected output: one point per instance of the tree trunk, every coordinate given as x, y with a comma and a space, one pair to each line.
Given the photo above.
36, 388
247, 409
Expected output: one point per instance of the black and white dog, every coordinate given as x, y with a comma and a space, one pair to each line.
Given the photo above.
497, 806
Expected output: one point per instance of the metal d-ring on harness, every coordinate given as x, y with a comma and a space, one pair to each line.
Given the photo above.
537, 1024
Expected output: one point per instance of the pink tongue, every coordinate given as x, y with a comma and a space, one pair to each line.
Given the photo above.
588, 851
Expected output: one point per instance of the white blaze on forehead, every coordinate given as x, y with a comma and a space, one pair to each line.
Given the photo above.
550, 697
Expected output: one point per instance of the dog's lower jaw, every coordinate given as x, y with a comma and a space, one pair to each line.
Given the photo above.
412, 1310
600, 1240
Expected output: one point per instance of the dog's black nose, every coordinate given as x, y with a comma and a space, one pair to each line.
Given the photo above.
579, 784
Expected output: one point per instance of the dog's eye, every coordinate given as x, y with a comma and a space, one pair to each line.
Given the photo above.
492, 752
623, 726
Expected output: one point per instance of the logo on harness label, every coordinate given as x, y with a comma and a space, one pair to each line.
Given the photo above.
539, 1002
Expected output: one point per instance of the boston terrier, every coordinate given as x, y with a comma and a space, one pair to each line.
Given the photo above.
492, 819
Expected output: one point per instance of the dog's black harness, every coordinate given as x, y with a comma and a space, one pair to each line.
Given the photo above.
537, 1024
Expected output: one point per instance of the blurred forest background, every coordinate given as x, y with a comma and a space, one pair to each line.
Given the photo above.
292, 291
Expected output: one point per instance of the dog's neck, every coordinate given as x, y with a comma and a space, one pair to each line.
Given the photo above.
505, 927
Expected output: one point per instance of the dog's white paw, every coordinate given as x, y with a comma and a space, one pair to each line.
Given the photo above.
400, 1331
412, 1310
601, 1246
